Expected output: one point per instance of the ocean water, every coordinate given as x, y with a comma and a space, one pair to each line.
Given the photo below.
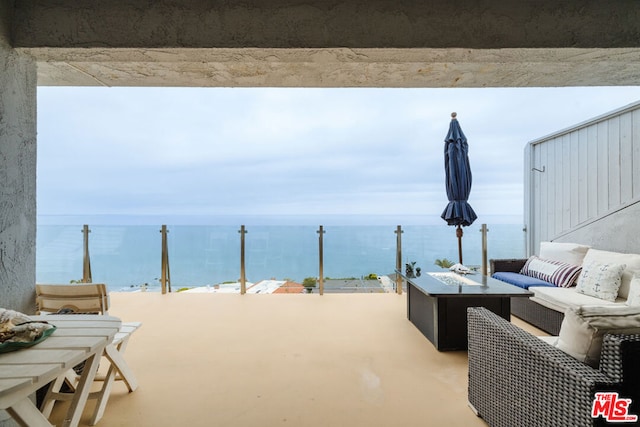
127, 256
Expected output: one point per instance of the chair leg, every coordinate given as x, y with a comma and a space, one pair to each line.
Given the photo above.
54, 387
114, 354
82, 391
117, 365
103, 395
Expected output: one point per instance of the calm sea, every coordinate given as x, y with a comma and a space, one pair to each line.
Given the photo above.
126, 253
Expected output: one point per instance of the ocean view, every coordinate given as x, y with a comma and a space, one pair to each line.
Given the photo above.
126, 251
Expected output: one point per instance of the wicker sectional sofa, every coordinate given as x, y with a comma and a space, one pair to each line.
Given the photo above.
517, 379
546, 308
547, 319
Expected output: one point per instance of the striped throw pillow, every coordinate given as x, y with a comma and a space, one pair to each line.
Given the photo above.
558, 273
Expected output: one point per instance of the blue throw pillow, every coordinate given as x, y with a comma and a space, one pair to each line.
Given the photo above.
520, 280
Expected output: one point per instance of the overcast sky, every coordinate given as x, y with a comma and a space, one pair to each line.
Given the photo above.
194, 151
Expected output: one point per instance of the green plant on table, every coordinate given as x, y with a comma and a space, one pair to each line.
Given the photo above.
443, 263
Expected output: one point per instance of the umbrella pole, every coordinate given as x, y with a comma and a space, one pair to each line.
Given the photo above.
459, 236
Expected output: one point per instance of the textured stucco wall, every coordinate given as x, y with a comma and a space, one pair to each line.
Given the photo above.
17, 172
331, 43
477, 24
617, 232
17, 177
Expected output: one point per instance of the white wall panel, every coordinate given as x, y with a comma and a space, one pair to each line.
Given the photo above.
566, 180
603, 168
545, 190
535, 206
626, 156
583, 189
614, 162
574, 178
559, 185
591, 171
635, 120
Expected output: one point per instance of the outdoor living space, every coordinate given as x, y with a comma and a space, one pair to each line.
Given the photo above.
298, 360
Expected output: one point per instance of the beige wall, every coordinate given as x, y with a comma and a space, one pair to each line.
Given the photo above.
17, 172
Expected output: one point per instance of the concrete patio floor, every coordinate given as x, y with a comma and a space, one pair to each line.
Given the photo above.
283, 360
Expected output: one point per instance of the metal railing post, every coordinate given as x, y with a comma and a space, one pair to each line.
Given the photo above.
86, 261
321, 260
399, 258
484, 230
243, 277
165, 273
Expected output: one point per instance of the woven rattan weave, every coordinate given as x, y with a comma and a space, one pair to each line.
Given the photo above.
516, 379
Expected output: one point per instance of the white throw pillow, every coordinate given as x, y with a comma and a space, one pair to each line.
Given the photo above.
600, 280
634, 291
632, 262
571, 253
584, 327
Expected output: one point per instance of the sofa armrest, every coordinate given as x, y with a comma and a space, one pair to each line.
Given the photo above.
619, 357
516, 379
619, 360
510, 265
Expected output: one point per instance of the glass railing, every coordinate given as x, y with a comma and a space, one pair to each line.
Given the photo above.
354, 257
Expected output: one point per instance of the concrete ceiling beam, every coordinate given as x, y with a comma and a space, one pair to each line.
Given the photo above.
405, 24
330, 43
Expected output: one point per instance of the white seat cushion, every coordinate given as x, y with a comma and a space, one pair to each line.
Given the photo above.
559, 299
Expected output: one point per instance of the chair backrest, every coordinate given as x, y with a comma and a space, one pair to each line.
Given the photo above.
80, 298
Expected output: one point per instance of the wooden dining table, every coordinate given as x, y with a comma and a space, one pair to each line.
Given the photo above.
77, 339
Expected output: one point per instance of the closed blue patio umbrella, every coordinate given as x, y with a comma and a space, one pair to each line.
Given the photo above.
458, 181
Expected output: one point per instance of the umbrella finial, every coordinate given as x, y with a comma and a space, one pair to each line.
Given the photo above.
453, 115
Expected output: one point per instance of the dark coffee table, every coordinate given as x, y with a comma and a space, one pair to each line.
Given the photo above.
439, 310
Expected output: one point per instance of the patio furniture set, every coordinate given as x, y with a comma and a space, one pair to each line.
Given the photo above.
76, 342
586, 374
545, 309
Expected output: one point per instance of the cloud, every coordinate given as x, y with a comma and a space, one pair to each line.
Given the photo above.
296, 151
